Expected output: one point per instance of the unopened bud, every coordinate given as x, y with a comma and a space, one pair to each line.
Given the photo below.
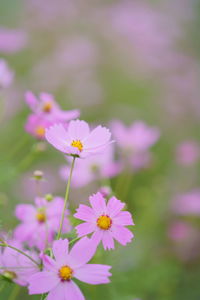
105, 191
49, 197
38, 175
40, 147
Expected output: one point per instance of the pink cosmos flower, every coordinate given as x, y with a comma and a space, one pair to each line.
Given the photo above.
57, 276
135, 142
187, 204
77, 139
138, 137
95, 167
47, 108
40, 222
6, 75
106, 221
16, 266
188, 153
36, 126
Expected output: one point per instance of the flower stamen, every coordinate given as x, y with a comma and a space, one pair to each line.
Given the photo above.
65, 273
47, 107
40, 131
104, 222
41, 216
77, 144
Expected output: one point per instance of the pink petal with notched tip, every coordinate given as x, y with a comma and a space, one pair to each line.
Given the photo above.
98, 203
78, 130
122, 234
114, 206
98, 137
123, 218
85, 213
93, 274
107, 240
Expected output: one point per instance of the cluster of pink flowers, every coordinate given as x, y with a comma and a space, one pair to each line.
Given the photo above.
40, 255
45, 112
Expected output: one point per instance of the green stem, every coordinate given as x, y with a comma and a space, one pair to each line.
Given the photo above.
66, 198
21, 252
74, 240
14, 292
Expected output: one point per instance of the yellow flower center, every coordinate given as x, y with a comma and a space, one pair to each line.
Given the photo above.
65, 273
40, 131
10, 275
104, 222
77, 144
41, 216
47, 107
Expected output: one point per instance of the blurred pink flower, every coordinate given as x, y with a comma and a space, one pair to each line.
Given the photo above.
36, 125
40, 222
179, 230
78, 139
187, 204
16, 266
6, 75
188, 153
106, 221
137, 137
135, 141
12, 40
57, 276
46, 107
95, 167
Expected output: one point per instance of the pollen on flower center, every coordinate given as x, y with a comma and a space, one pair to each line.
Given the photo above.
40, 131
41, 216
47, 107
104, 222
77, 144
65, 273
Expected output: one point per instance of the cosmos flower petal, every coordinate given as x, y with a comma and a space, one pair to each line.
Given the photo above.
123, 218
25, 212
31, 100
69, 115
78, 130
114, 206
107, 240
122, 234
82, 252
98, 137
60, 248
98, 203
57, 293
48, 262
93, 274
72, 292
23, 232
42, 282
85, 228
58, 137
85, 213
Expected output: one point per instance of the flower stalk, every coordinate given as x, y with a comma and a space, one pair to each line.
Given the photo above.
66, 199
